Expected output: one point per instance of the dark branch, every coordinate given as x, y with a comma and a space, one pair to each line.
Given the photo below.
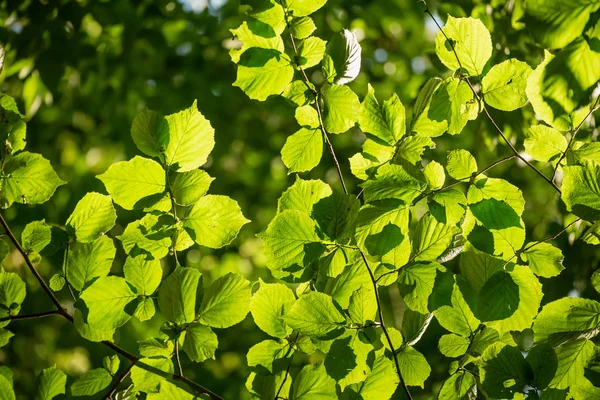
484, 108
61, 311
564, 154
119, 380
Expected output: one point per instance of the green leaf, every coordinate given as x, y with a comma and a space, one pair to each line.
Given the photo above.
452, 345
302, 27
5, 336
544, 259
12, 289
380, 383
342, 58
495, 214
503, 371
452, 104
94, 215
50, 383
291, 239
151, 235
392, 182
310, 52
269, 304
156, 347
307, 117
314, 314
91, 383
144, 132
214, 221
581, 190
421, 123
263, 72
461, 165
571, 76
144, 275
340, 108
270, 13
146, 381
86, 261
565, 319
36, 236
414, 367
412, 148
529, 292
416, 282
457, 317
543, 109
387, 121
312, 382
505, 83
127, 182
303, 195
459, 386
266, 386
434, 175
432, 238
543, 363
472, 43
12, 128
168, 391
303, 150
255, 33
89, 332
572, 358
300, 8
299, 93
189, 187
556, 23
363, 306
226, 301
145, 309
106, 300
28, 178
544, 143
200, 342
111, 364
448, 206
268, 354
177, 295
188, 139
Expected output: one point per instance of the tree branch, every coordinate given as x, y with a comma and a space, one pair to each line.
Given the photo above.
61, 311
383, 328
33, 270
119, 380
484, 108
177, 357
30, 316
564, 154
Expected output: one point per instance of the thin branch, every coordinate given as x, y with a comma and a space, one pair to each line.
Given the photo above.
320, 114
33, 270
484, 108
532, 245
174, 212
551, 237
61, 311
382, 323
177, 357
341, 177
564, 154
119, 380
30, 316
287, 370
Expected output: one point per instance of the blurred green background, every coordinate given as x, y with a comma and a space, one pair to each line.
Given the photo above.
81, 71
